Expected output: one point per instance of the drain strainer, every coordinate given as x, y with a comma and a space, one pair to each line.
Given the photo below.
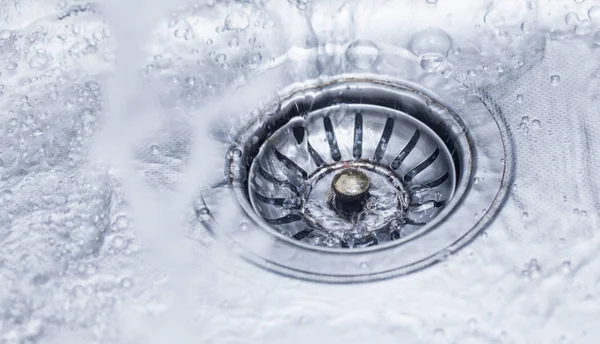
359, 179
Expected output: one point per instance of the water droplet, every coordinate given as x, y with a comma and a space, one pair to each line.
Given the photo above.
536, 124
220, 58
432, 62
203, 211
252, 59
472, 73
122, 222
565, 267
155, 149
572, 19
6, 195
584, 28
525, 215
431, 41
431, 1
555, 80
579, 1
118, 242
519, 98
12, 66
364, 265
362, 54
234, 42
576, 212
190, 81
237, 21
244, 226
594, 14
180, 32
38, 132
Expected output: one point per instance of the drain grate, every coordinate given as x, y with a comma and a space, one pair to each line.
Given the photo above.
360, 178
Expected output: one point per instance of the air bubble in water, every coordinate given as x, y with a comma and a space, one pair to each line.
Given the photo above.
237, 21
362, 54
594, 14
6, 195
572, 19
252, 59
220, 58
431, 41
555, 80
432, 62
584, 28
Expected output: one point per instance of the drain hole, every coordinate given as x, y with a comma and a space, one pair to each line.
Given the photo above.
311, 182
354, 178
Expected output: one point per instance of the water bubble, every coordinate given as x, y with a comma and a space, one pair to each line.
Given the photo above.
536, 124
572, 19
519, 98
594, 14
431, 1
431, 41
155, 149
555, 80
6, 195
362, 54
181, 32
237, 21
122, 222
579, 1
252, 59
432, 62
39, 61
220, 57
565, 267
234, 42
38, 132
191, 81
12, 66
525, 215
118, 242
584, 28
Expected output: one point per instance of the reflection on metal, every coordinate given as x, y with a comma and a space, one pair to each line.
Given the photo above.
359, 172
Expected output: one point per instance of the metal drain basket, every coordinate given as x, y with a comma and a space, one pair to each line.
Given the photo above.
457, 126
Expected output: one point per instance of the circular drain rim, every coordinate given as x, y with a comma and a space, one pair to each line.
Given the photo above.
485, 142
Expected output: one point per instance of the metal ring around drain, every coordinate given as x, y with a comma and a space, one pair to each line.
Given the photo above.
462, 129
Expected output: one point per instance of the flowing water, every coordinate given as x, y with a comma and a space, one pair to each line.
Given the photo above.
115, 115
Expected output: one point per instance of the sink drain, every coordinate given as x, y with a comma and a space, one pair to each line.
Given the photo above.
359, 179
